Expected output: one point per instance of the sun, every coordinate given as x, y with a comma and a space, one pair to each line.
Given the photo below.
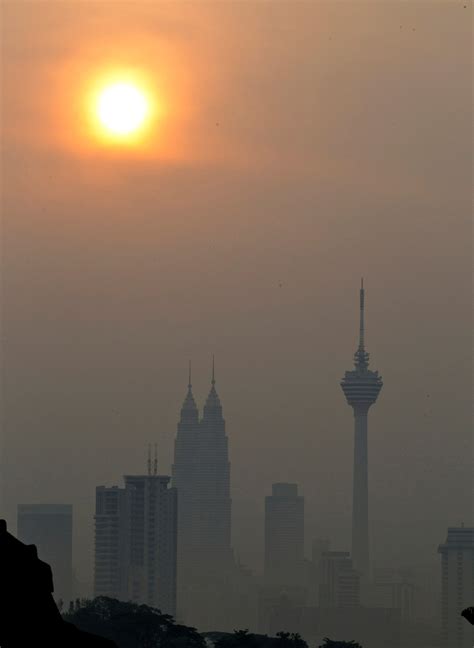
122, 109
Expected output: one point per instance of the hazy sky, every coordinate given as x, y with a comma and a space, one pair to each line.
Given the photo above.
303, 143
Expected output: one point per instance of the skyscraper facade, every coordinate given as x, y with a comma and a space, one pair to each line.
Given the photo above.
152, 535
201, 475
110, 566
136, 541
49, 527
457, 586
284, 536
361, 387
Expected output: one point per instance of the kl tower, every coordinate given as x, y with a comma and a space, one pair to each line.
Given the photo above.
361, 386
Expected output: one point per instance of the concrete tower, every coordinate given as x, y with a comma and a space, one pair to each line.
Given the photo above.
361, 386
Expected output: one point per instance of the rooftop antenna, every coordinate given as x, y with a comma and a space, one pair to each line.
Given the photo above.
213, 381
155, 460
189, 376
149, 459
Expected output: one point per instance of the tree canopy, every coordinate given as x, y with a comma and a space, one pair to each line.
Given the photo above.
246, 639
131, 625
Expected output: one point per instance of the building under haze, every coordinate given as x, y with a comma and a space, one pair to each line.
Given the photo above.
110, 568
361, 386
340, 583
201, 475
49, 527
284, 536
457, 586
136, 541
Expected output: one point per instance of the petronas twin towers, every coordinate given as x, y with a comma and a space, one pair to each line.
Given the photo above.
201, 473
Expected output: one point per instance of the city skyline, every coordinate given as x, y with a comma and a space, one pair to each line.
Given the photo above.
141, 544
361, 341
214, 182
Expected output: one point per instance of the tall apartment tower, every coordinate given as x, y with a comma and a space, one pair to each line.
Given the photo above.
136, 541
284, 535
361, 387
49, 527
110, 567
152, 536
457, 586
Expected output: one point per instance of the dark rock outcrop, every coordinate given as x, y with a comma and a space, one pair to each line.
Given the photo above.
28, 613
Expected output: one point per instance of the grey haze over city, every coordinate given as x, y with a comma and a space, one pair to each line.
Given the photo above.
325, 142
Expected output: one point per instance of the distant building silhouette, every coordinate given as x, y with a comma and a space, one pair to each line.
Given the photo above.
201, 474
279, 607
313, 570
393, 589
284, 536
361, 387
339, 583
136, 541
49, 527
457, 586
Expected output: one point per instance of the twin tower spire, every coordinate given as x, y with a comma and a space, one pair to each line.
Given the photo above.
212, 407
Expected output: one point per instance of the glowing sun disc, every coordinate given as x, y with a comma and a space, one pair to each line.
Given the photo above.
122, 108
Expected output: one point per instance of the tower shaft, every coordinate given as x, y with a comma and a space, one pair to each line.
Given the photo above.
360, 494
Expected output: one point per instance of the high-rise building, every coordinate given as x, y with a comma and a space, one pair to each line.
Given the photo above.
457, 586
152, 511
284, 535
201, 475
110, 568
361, 387
49, 527
136, 539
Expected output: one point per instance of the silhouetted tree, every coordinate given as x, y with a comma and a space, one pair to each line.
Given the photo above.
290, 640
329, 643
131, 625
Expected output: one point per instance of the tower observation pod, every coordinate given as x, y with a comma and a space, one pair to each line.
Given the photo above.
361, 387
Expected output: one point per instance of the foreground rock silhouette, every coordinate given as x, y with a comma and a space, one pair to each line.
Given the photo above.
28, 613
468, 614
